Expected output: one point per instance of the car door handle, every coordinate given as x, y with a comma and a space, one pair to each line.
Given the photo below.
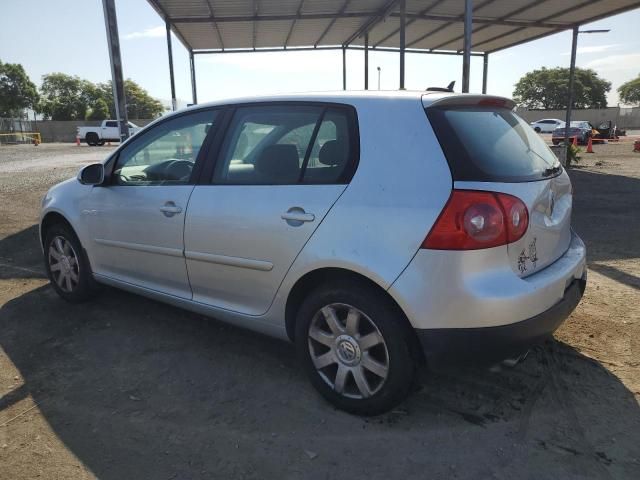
170, 209
296, 216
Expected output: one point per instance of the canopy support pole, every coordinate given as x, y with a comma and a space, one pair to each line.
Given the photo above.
344, 68
403, 41
171, 78
366, 61
194, 89
572, 72
113, 40
466, 55
485, 72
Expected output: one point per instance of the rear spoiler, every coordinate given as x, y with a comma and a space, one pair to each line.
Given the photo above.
467, 100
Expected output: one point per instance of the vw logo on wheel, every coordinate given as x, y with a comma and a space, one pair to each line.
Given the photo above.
347, 351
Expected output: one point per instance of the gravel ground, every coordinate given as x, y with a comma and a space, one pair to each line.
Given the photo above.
125, 387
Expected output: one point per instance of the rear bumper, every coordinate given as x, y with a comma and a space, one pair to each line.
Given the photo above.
493, 344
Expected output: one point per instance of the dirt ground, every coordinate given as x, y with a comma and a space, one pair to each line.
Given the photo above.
125, 387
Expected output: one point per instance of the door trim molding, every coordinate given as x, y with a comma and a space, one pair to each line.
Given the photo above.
139, 247
230, 261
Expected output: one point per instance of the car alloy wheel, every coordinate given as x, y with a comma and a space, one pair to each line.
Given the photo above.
348, 351
63, 264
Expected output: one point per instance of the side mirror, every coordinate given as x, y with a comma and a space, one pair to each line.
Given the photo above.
91, 174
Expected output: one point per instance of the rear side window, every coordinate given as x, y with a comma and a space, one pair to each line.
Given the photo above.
111, 124
489, 144
286, 145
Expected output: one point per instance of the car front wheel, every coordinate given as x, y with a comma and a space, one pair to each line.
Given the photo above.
66, 264
356, 348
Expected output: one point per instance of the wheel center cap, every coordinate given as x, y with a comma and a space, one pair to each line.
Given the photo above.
348, 350
66, 264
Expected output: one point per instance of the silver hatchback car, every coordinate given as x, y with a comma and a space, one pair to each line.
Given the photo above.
375, 230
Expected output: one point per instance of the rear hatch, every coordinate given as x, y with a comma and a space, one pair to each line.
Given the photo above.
489, 147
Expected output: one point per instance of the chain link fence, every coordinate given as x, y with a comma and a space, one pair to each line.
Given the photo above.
15, 131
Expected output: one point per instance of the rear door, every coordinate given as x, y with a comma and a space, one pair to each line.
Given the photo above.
279, 171
110, 130
506, 155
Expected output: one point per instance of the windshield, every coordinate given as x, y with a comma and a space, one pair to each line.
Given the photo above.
489, 144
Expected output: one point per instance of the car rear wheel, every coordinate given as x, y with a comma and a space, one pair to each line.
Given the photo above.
356, 348
91, 139
66, 265
537, 129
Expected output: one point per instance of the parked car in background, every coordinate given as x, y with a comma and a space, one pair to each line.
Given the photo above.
579, 128
546, 125
291, 215
108, 131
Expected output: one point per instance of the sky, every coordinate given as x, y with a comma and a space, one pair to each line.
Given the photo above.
69, 36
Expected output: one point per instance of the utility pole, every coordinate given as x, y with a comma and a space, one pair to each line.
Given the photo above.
113, 40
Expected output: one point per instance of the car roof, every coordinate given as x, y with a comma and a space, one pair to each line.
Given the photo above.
348, 97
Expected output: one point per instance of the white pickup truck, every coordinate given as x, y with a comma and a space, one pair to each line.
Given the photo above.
108, 131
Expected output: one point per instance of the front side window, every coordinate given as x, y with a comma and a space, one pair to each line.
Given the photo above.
111, 124
166, 154
284, 145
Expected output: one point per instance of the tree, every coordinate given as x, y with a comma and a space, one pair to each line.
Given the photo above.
548, 89
139, 103
630, 92
99, 110
17, 91
65, 97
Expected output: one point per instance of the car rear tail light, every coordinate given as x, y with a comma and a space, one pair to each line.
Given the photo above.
474, 219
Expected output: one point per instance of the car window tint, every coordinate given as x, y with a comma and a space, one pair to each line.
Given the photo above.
266, 145
166, 154
505, 149
112, 124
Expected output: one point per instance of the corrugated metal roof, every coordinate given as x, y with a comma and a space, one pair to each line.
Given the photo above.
430, 24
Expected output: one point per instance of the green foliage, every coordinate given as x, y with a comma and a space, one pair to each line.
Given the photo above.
630, 92
139, 103
99, 110
573, 154
66, 97
17, 91
548, 89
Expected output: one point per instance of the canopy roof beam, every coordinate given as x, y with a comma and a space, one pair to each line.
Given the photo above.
561, 12
374, 19
371, 15
506, 20
332, 22
412, 18
293, 23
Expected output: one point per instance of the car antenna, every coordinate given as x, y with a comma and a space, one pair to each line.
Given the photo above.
448, 88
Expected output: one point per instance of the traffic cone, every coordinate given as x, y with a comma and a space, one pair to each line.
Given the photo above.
575, 141
589, 146
77, 141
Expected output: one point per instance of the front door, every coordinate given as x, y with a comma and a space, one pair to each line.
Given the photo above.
279, 171
136, 222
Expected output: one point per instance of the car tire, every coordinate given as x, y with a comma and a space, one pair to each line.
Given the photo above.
67, 265
555, 142
101, 143
364, 367
92, 139
537, 129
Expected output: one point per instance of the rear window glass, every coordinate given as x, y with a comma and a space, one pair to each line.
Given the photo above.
491, 145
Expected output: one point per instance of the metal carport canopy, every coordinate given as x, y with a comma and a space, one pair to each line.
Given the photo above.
430, 25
